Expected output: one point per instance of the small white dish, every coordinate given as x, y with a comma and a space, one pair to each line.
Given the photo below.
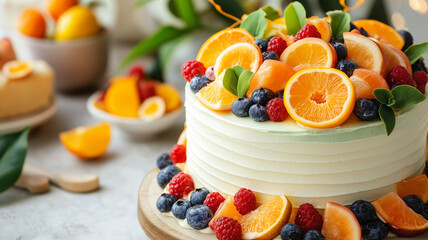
134, 127
28, 120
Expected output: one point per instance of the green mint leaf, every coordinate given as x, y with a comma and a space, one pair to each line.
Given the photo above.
339, 23
13, 150
238, 70
295, 17
152, 43
271, 13
255, 23
230, 81
186, 11
406, 96
388, 118
414, 52
244, 81
384, 96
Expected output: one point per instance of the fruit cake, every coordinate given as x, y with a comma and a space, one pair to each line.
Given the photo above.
313, 113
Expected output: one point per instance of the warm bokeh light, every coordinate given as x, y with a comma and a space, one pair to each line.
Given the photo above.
398, 21
420, 6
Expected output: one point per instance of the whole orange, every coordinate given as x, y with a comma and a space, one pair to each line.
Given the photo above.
32, 23
57, 7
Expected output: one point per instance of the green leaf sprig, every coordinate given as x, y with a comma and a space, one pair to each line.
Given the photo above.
339, 23
255, 23
271, 13
295, 17
416, 51
237, 80
13, 150
399, 98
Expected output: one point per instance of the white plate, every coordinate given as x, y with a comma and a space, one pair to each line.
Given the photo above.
29, 120
134, 127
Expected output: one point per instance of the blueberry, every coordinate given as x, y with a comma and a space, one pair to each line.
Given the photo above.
336, 40
374, 230
425, 214
363, 32
180, 207
341, 51
366, 109
163, 161
165, 202
291, 232
199, 216
408, 39
347, 66
241, 107
198, 82
415, 203
198, 196
262, 96
352, 26
262, 43
166, 174
280, 94
419, 65
363, 211
270, 55
258, 113
313, 235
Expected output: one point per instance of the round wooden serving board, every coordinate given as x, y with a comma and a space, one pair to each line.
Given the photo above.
161, 227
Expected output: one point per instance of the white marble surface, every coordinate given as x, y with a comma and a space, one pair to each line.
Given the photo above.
110, 212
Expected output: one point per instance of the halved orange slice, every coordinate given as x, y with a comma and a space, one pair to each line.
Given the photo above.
402, 220
322, 26
414, 186
246, 55
319, 97
215, 97
226, 209
365, 52
382, 31
267, 220
309, 52
366, 81
340, 223
394, 56
122, 97
218, 42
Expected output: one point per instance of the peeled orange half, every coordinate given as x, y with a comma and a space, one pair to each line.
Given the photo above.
319, 97
382, 31
218, 42
340, 223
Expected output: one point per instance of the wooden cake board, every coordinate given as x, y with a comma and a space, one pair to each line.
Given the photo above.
161, 227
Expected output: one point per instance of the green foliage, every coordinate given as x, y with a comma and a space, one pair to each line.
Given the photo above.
339, 23
255, 23
416, 51
295, 17
237, 80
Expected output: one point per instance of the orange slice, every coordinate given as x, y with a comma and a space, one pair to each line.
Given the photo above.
122, 97
226, 209
267, 220
215, 97
394, 56
218, 42
414, 186
152, 108
340, 223
382, 31
17, 69
170, 95
402, 219
365, 52
246, 55
319, 97
366, 81
309, 52
87, 142
272, 74
322, 26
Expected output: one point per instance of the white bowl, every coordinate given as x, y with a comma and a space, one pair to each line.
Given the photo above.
133, 127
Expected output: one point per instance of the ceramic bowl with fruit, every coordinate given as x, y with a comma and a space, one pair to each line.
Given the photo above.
77, 49
139, 107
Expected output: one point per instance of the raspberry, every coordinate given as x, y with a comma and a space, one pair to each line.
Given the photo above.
277, 45
146, 89
181, 185
137, 71
399, 76
276, 110
191, 69
421, 79
213, 201
227, 228
245, 201
308, 218
308, 30
178, 154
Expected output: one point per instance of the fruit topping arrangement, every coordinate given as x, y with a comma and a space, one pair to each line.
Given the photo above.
319, 71
135, 96
71, 20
